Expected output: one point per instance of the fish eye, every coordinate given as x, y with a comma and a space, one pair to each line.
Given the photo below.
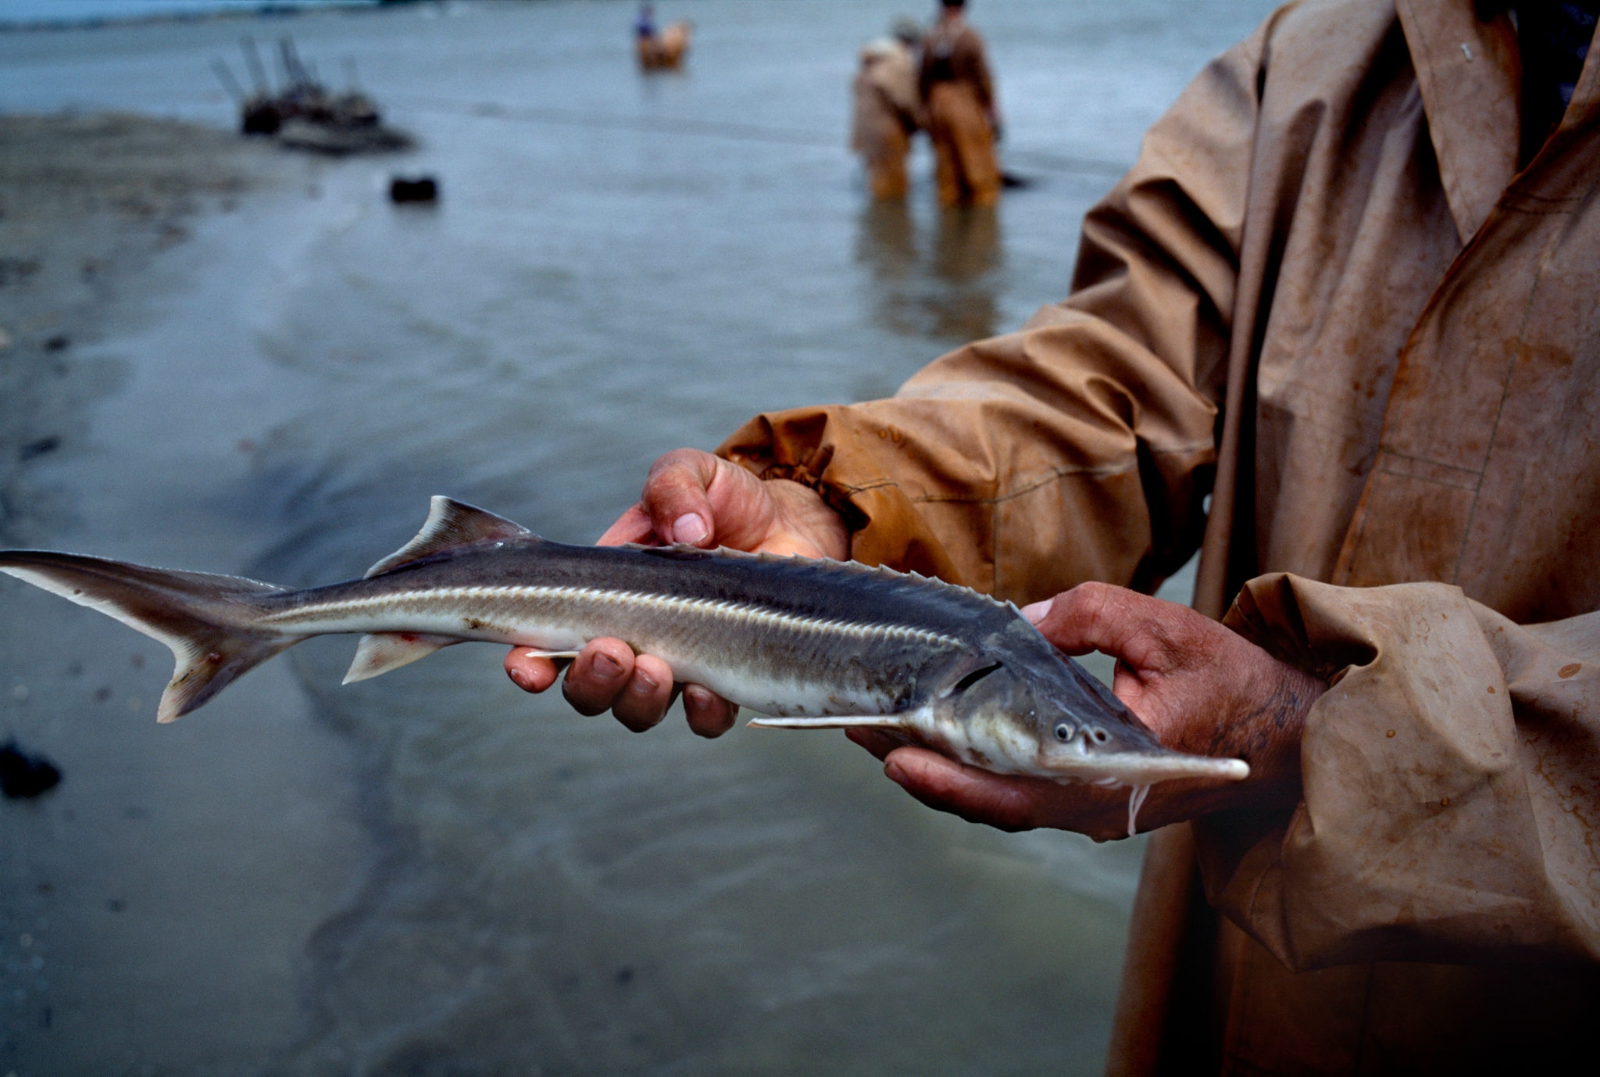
1100, 735
1063, 732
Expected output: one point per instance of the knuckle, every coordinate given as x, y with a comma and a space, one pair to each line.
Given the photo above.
678, 468
1087, 600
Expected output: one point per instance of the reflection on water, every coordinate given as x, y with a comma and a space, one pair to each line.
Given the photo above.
966, 257
886, 243
939, 277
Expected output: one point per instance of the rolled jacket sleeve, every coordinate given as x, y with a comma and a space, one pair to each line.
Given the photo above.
1081, 446
1450, 778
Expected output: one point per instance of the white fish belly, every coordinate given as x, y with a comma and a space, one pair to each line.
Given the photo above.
772, 672
781, 697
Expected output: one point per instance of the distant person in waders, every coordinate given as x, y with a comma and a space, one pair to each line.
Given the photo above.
958, 97
887, 110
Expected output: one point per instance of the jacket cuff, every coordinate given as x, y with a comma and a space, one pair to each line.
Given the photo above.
822, 448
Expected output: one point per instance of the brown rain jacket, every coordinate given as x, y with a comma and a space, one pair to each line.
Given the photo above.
1329, 297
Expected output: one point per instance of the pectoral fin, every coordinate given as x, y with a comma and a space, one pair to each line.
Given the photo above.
854, 721
534, 652
380, 652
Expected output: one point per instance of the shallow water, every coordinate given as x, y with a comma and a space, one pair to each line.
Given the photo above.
455, 877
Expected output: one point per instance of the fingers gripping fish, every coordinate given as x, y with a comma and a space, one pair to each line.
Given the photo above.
810, 644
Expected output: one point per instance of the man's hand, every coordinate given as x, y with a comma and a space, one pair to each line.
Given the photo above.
701, 500
1199, 687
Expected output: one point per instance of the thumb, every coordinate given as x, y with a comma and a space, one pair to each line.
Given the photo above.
675, 497
632, 526
1099, 617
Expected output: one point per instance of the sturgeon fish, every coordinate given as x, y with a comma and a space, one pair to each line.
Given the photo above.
809, 644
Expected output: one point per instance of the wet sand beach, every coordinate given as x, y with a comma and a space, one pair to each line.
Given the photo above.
86, 203
224, 357
123, 887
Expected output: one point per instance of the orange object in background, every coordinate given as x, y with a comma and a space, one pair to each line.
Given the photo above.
664, 51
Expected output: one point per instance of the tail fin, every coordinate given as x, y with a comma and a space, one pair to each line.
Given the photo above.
204, 619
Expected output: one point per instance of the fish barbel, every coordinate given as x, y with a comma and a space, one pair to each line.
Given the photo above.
810, 644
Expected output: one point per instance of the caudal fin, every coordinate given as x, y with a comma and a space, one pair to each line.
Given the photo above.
204, 619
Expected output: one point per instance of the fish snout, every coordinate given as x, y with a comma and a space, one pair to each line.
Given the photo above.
1092, 753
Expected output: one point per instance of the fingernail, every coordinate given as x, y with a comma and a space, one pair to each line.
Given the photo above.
1035, 612
520, 679
643, 684
892, 771
606, 667
690, 528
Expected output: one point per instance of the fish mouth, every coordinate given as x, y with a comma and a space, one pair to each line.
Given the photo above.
1136, 768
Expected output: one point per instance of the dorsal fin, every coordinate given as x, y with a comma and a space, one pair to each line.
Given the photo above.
450, 524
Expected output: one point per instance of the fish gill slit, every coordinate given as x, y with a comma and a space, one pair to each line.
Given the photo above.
730, 610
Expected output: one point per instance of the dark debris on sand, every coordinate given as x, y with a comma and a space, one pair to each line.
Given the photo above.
25, 775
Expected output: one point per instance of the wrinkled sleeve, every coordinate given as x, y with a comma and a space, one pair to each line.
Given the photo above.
1081, 446
1451, 783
